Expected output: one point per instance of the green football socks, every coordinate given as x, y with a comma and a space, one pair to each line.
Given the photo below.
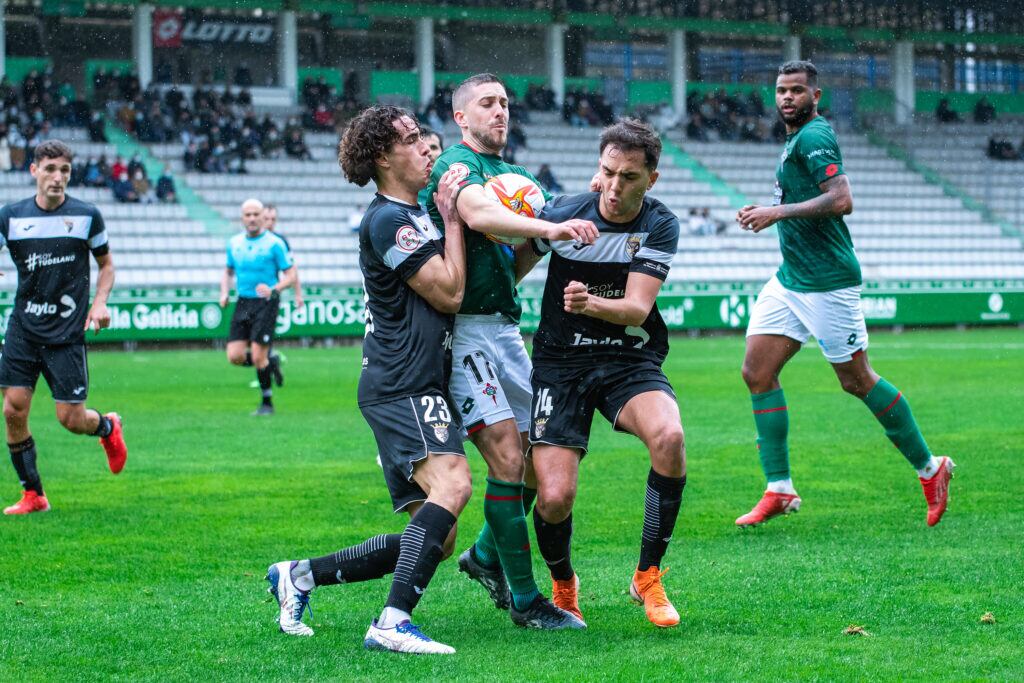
771, 416
891, 409
484, 550
503, 510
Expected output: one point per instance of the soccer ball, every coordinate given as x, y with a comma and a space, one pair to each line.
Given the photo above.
516, 193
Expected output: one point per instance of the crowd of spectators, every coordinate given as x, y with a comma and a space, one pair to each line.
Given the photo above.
984, 112
30, 110
582, 109
731, 117
701, 222
220, 131
128, 181
325, 108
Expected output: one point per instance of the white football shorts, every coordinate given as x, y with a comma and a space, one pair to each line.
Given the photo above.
834, 318
490, 372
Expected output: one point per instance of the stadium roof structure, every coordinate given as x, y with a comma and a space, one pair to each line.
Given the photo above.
992, 22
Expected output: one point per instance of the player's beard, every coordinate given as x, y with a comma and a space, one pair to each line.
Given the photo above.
492, 139
799, 117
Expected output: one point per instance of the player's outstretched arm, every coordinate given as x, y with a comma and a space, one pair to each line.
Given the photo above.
442, 280
836, 200
225, 285
631, 310
483, 215
99, 317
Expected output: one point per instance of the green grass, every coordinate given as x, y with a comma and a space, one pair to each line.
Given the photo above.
157, 574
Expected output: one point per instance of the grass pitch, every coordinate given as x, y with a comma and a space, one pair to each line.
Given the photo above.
157, 574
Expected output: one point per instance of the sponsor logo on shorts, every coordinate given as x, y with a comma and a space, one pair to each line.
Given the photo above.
78, 391
408, 239
440, 431
852, 339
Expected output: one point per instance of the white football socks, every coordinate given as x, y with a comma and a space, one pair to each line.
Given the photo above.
782, 486
392, 617
930, 469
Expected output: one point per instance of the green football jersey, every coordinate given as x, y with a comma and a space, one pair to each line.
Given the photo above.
817, 253
490, 266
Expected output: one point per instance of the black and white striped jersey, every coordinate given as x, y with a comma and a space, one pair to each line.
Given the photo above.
51, 252
645, 245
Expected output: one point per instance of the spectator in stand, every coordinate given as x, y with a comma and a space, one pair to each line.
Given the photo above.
713, 226
694, 222
123, 190
5, 151
119, 167
1001, 150
295, 145
945, 114
163, 72
135, 165
547, 179
165, 189
142, 188
97, 128
984, 111
93, 176
243, 75
695, 129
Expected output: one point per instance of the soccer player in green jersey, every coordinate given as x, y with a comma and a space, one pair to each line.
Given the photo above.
816, 292
490, 382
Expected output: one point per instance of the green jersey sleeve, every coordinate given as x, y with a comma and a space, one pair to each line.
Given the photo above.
818, 149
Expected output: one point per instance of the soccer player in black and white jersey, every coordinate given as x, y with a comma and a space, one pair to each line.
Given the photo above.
600, 346
50, 236
414, 281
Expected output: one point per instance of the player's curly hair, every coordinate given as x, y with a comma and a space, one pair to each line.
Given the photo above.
52, 149
629, 134
368, 136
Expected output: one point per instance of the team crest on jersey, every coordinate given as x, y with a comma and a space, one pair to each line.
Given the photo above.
539, 425
492, 391
408, 238
69, 224
461, 170
632, 245
440, 430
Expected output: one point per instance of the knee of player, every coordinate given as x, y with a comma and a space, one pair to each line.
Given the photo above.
554, 502
669, 441
236, 358
15, 413
71, 420
854, 385
754, 378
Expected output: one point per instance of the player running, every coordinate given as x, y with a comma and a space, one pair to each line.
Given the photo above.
600, 346
491, 378
258, 257
817, 292
50, 237
414, 281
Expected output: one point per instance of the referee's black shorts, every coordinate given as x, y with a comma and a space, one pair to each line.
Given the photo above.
254, 319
